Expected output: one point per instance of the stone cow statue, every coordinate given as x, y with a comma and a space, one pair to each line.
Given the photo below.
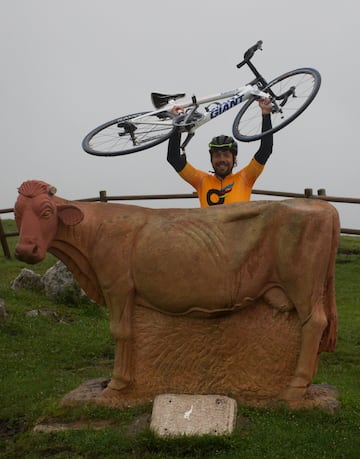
203, 262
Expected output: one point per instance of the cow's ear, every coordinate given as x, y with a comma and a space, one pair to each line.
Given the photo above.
69, 214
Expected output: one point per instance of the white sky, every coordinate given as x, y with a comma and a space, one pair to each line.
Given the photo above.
70, 65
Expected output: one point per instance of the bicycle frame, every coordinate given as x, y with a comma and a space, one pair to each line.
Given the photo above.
189, 123
234, 98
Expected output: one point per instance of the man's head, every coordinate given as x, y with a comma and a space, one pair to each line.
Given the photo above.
223, 152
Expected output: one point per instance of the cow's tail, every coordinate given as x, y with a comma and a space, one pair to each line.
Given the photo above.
329, 338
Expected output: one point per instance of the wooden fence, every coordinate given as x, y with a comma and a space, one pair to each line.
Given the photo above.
103, 197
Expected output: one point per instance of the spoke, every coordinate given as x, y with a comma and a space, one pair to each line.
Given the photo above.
295, 91
130, 132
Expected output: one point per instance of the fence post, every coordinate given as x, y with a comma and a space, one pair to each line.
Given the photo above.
3, 240
308, 192
103, 197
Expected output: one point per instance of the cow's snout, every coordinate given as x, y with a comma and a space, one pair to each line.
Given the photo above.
28, 251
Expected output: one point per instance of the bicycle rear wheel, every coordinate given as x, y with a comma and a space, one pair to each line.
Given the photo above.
129, 134
291, 94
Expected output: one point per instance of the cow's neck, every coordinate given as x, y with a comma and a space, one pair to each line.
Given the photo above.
71, 248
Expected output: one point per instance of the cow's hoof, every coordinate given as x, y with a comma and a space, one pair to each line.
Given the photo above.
294, 393
297, 389
115, 389
111, 393
320, 396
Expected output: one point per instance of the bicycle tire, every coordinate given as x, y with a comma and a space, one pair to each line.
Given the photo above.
248, 122
113, 139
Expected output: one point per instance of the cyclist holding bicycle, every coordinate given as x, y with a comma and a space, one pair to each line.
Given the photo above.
223, 186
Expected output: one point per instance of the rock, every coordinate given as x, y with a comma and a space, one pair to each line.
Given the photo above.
60, 283
43, 312
27, 279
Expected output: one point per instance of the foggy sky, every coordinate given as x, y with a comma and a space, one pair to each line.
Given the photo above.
69, 66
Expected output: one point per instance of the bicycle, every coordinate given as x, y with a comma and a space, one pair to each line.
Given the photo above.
290, 94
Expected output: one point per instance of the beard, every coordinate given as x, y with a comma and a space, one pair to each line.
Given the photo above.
222, 170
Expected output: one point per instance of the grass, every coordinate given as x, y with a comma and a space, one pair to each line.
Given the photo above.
44, 357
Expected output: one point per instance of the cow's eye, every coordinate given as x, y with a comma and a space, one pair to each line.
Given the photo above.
47, 213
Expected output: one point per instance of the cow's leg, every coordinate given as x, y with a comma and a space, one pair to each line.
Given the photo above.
312, 328
311, 254
122, 330
311, 333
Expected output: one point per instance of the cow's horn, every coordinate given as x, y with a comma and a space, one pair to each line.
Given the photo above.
52, 190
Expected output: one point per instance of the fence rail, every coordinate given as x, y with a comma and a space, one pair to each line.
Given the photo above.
103, 197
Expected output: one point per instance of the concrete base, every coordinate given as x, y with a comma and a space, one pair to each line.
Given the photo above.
321, 396
193, 415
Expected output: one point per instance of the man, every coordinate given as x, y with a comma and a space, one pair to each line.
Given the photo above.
223, 186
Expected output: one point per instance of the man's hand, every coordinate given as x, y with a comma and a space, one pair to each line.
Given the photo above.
265, 106
177, 109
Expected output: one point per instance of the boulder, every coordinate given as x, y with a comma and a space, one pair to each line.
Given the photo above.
59, 283
27, 279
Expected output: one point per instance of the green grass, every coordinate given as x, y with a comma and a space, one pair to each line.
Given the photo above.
44, 357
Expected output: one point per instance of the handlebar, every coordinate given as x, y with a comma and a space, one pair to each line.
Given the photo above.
249, 53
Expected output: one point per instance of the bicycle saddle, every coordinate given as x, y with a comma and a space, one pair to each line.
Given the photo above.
160, 100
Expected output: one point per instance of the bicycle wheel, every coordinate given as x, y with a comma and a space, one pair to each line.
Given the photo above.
290, 93
129, 134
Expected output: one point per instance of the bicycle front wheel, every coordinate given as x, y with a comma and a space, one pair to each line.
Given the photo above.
290, 93
129, 134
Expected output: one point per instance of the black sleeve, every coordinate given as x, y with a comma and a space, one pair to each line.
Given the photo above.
266, 144
174, 156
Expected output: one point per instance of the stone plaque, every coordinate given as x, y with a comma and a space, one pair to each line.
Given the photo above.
182, 414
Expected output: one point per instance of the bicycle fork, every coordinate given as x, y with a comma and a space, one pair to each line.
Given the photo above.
262, 84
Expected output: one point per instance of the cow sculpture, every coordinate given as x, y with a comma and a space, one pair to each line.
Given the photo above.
202, 262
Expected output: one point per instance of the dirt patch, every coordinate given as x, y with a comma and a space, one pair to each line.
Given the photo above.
47, 427
139, 424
